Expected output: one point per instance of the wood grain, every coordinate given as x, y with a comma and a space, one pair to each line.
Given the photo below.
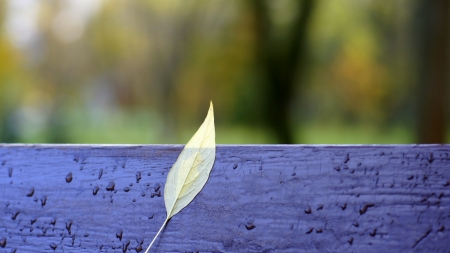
270, 198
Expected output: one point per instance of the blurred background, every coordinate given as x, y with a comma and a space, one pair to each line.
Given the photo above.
279, 71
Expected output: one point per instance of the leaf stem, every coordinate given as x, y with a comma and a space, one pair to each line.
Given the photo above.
156, 236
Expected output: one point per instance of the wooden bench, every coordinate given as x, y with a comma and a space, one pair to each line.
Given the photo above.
259, 198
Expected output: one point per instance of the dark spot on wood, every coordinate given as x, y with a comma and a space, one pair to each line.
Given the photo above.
441, 228
410, 177
235, 166
100, 173
119, 234
86, 235
320, 207
32, 221
373, 233
308, 211
157, 187
95, 190
356, 224
30, 192
14, 215
156, 194
53, 245
344, 207
3, 242
149, 173
125, 246
319, 231
10, 171
126, 189
249, 226
347, 158
440, 195
53, 221
364, 209
139, 247
337, 168
151, 217
138, 177
447, 183
110, 186
69, 226
350, 241
69, 177
309, 231
430, 158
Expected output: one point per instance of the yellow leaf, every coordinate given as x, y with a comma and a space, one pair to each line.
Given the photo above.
190, 172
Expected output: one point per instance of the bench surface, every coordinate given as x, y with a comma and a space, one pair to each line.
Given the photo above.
259, 198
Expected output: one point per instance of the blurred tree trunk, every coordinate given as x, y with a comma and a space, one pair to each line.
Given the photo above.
280, 60
434, 66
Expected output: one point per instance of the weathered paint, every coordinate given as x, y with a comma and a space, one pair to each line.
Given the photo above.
270, 198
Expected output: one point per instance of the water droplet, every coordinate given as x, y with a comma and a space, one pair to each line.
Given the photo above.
33, 220
100, 173
119, 234
30, 192
373, 233
158, 194
3, 162
86, 235
319, 231
440, 195
134, 200
235, 166
350, 241
309, 231
53, 245
14, 215
356, 224
43, 200
344, 207
337, 168
139, 247
3, 242
95, 190
157, 186
249, 226
441, 228
308, 211
346, 158
149, 173
410, 177
151, 217
364, 209
53, 221
138, 176
131, 184
69, 177
69, 226
10, 171
319, 208
126, 189
143, 194
430, 158
125, 246
110, 186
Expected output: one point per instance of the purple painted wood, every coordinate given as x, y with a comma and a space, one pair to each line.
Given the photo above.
94, 198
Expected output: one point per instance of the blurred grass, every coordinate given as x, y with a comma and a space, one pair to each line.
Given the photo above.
142, 127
